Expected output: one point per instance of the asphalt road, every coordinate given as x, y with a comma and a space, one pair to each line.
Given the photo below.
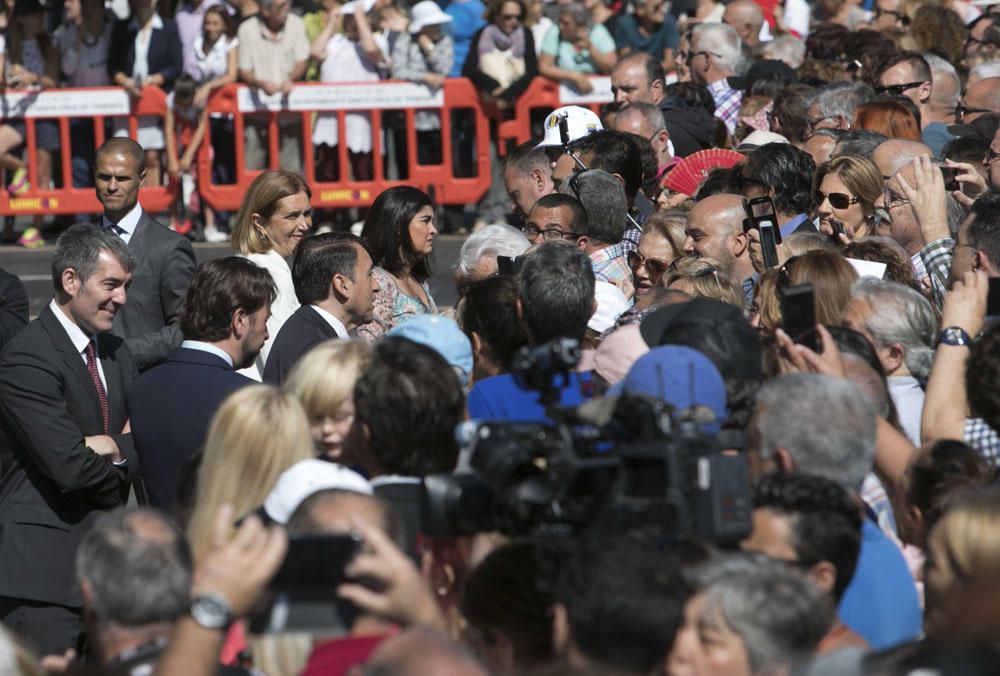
33, 267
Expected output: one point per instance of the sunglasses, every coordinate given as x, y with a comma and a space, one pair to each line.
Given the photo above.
838, 200
961, 110
898, 89
654, 266
692, 55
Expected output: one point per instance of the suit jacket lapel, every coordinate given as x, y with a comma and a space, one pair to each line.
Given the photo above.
140, 238
69, 355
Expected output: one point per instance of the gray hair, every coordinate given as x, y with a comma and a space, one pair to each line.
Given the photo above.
780, 616
942, 70
603, 198
840, 99
722, 40
787, 48
860, 142
652, 115
556, 288
494, 240
826, 424
138, 568
79, 248
577, 12
981, 72
901, 315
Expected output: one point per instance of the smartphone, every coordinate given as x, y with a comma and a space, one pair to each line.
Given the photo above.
798, 315
761, 216
993, 299
950, 175
508, 265
838, 229
316, 561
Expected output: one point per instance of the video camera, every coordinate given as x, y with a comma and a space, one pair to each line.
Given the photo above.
607, 466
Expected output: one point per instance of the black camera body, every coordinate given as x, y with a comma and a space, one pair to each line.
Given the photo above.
644, 464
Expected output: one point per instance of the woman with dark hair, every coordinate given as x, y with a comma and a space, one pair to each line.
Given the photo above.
400, 231
488, 316
274, 217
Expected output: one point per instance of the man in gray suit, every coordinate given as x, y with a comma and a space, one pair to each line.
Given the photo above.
150, 323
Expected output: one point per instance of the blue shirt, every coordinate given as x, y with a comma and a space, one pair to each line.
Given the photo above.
466, 19
881, 602
935, 136
501, 398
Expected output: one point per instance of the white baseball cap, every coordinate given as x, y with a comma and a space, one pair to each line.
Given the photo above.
305, 478
426, 13
758, 138
349, 8
579, 123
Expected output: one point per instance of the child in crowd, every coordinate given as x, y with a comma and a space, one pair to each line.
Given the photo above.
185, 130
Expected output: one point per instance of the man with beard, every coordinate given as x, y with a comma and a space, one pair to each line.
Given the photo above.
224, 323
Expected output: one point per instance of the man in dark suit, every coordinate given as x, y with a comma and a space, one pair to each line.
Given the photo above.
149, 323
224, 322
62, 415
13, 306
332, 274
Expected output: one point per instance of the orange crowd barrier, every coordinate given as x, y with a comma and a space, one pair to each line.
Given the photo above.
63, 106
442, 180
543, 96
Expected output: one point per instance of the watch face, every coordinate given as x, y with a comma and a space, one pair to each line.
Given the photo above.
210, 612
954, 336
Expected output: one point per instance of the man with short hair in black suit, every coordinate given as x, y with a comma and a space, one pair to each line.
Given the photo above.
66, 457
224, 322
149, 323
332, 274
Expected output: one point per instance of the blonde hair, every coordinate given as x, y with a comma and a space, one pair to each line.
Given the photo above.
861, 176
669, 224
702, 277
766, 298
262, 199
323, 379
257, 433
963, 562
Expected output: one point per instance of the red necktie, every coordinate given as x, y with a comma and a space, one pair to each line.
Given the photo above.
102, 394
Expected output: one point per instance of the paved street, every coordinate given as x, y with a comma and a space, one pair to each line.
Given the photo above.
33, 267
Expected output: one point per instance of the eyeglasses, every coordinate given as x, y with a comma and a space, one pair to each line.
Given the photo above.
961, 110
654, 266
891, 199
898, 89
531, 231
898, 16
838, 200
510, 17
691, 55
812, 122
991, 156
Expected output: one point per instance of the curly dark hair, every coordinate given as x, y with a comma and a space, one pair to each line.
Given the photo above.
940, 28
825, 521
786, 169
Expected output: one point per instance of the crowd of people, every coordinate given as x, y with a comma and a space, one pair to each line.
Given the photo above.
775, 276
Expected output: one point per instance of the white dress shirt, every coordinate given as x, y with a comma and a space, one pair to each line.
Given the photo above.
208, 347
337, 325
79, 339
125, 228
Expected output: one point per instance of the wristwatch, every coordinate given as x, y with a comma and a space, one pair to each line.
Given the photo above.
954, 335
212, 611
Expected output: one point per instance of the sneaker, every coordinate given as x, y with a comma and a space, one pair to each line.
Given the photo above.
31, 239
215, 236
19, 183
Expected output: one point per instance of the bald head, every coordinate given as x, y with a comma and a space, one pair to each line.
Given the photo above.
983, 94
123, 146
637, 77
715, 230
746, 18
895, 153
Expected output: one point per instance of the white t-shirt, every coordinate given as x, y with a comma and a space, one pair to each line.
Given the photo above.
215, 63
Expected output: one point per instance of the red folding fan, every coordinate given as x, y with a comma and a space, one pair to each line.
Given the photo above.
693, 169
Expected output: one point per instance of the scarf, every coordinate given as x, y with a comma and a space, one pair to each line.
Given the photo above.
495, 40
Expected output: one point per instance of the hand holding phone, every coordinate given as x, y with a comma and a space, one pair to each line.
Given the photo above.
761, 216
798, 315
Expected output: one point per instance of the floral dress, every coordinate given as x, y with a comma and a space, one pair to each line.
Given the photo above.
391, 306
